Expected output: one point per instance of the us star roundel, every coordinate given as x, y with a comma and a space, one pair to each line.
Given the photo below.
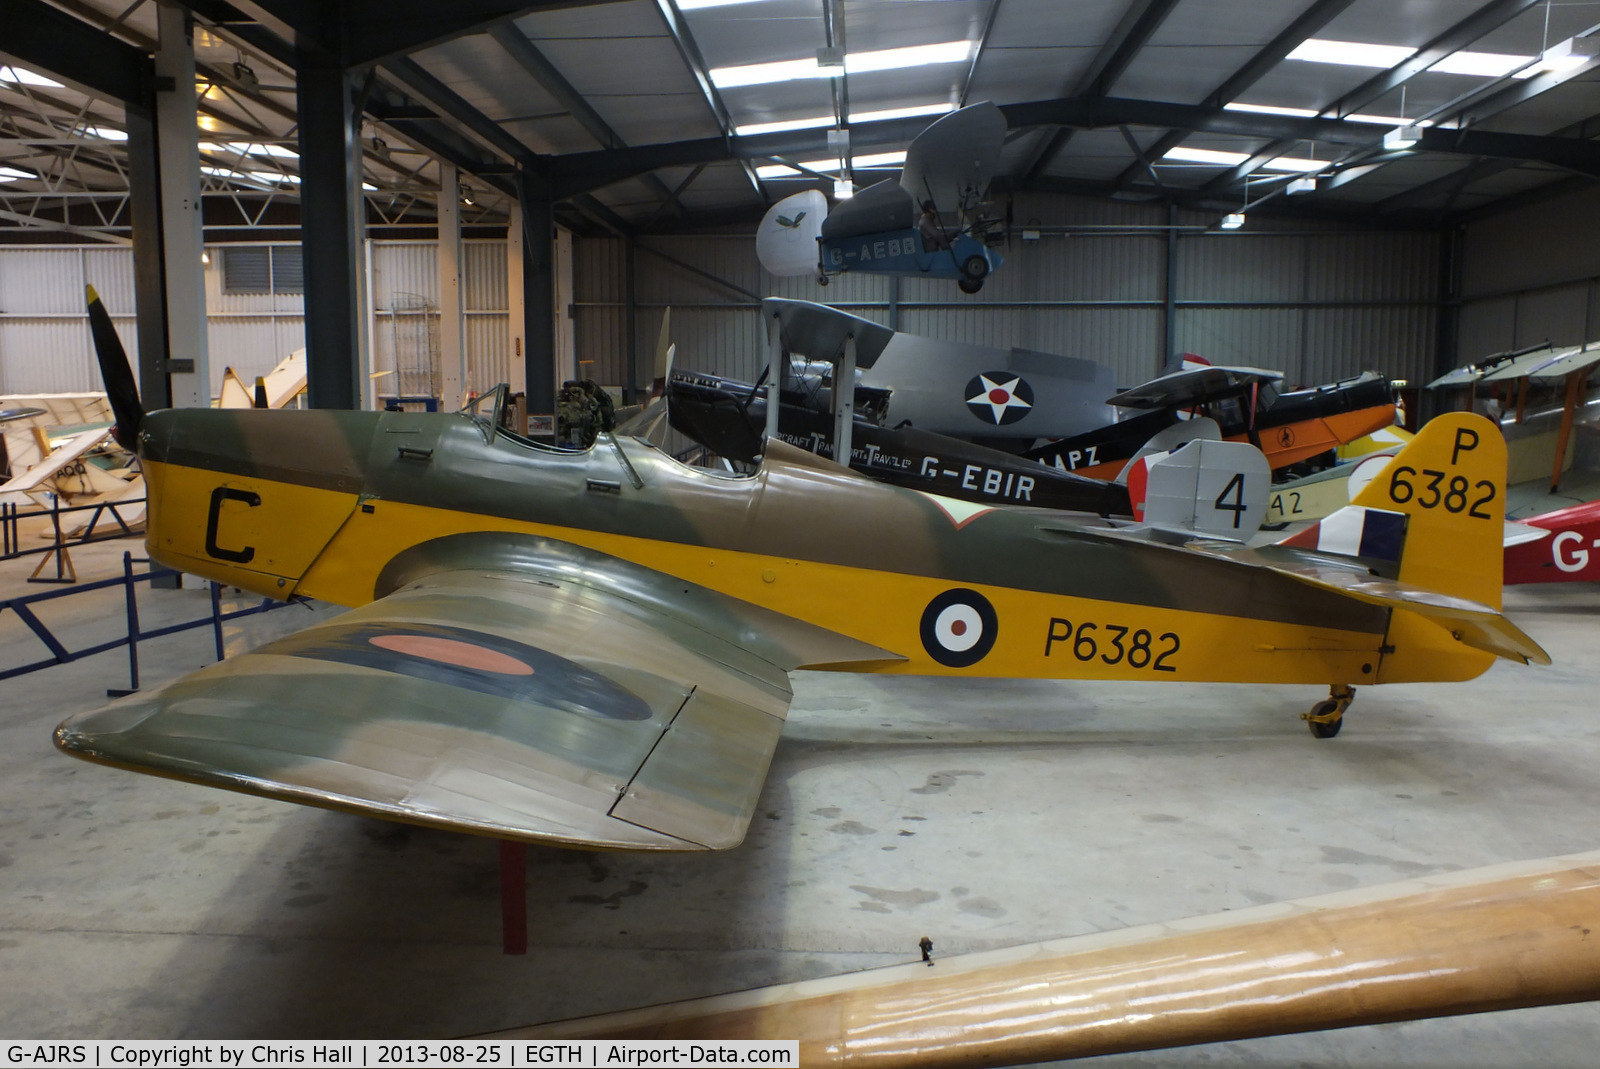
959, 628
999, 397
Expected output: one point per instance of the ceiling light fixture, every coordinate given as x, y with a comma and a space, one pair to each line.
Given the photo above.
887, 59
817, 122
1364, 54
1232, 221
1301, 185
843, 189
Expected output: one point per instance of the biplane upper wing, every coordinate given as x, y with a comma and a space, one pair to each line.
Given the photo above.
1193, 386
566, 697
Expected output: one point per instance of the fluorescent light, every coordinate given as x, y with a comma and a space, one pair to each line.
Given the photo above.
1388, 120
369, 187
23, 76
106, 133
789, 70
692, 5
843, 189
1301, 185
11, 174
1232, 221
1267, 109
1351, 53
776, 170
813, 123
881, 159
1568, 55
901, 113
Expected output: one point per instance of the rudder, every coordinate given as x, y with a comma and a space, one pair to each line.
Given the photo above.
1450, 482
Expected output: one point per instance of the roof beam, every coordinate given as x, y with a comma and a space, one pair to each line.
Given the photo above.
45, 37
1139, 23
452, 105
977, 51
541, 70
584, 171
1483, 21
1310, 21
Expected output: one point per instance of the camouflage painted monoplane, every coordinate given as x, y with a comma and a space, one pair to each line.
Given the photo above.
592, 648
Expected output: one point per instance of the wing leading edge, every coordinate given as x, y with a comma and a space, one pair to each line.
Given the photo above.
531, 703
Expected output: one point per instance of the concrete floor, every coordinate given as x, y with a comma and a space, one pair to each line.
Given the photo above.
982, 814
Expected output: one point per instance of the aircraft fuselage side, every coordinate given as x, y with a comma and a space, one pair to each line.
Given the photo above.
318, 503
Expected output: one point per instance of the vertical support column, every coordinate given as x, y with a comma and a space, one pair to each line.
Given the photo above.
515, 305
538, 294
177, 140
844, 400
367, 362
630, 320
565, 338
1170, 300
452, 337
149, 270
330, 206
774, 372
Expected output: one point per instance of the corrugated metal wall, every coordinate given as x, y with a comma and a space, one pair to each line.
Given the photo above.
44, 334
1318, 302
1530, 276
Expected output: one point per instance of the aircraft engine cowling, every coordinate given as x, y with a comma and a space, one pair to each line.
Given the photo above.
786, 241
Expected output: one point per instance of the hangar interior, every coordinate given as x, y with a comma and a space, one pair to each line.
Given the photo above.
432, 198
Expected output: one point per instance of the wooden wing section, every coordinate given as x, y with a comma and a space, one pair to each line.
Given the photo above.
533, 705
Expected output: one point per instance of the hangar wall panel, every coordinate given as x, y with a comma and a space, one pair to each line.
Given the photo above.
44, 337
1528, 275
1319, 301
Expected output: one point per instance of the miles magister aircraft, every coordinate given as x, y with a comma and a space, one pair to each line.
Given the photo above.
592, 648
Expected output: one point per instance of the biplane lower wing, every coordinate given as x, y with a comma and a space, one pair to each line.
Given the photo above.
566, 701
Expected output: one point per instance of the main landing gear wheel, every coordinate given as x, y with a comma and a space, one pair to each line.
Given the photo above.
1327, 716
969, 285
975, 267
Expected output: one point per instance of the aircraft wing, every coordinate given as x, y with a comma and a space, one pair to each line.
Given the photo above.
955, 155
564, 700
1193, 386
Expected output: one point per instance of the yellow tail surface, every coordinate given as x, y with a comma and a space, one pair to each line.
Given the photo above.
1451, 482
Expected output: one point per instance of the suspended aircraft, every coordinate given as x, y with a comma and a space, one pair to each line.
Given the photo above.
591, 648
928, 223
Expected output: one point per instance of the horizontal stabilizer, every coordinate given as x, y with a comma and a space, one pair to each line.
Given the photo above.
1470, 622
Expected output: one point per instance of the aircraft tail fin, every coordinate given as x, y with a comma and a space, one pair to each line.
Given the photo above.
121, 389
786, 240
1218, 488
1450, 483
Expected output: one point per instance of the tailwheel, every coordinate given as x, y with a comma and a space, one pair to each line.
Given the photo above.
1327, 716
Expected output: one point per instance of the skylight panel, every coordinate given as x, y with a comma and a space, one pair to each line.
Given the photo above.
902, 113
1213, 157
1268, 109
106, 133
1481, 64
23, 76
1351, 53
694, 5
11, 174
868, 162
784, 125
789, 70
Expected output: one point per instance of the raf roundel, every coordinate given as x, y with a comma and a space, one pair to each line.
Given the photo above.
959, 628
999, 398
